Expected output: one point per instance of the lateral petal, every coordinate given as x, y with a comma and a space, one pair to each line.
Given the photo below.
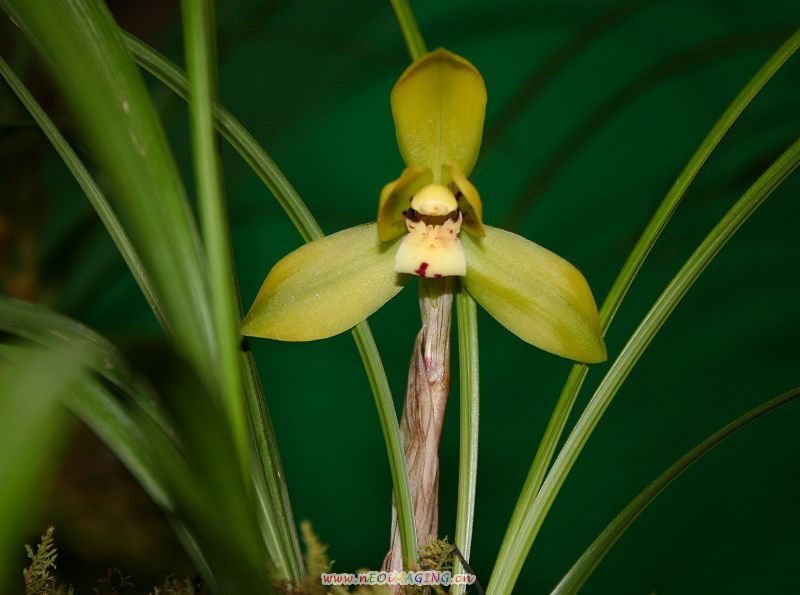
469, 201
396, 198
325, 287
534, 293
438, 106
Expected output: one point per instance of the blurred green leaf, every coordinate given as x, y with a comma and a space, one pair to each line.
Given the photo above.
90, 188
48, 329
31, 424
238, 137
309, 229
87, 58
218, 511
96, 405
175, 445
83, 47
119, 407
199, 35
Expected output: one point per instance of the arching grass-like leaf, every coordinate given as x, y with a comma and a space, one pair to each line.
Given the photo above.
583, 568
88, 61
244, 143
528, 520
469, 407
657, 224
90, 189
199, 39
182, 456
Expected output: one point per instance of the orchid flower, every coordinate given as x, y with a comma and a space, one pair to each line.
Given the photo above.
430, 224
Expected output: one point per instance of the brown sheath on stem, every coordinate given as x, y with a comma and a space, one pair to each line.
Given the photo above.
423, 413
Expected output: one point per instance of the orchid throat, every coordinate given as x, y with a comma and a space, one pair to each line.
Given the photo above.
432, 247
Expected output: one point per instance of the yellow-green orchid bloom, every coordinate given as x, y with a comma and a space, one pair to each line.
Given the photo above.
430, 224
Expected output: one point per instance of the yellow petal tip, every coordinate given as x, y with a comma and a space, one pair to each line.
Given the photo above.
325, 287
534, 293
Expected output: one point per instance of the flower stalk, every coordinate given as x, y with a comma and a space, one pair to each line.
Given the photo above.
423, 412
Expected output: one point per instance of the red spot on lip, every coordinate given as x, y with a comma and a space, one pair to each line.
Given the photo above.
422, 268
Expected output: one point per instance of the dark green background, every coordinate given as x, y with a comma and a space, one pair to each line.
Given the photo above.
593, 109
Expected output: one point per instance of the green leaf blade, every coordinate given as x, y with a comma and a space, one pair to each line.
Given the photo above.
31, 431
236, 135
624, 280
90, 189
198, 25
80, 43
583, 568
518, 543
244, 143
469, 389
